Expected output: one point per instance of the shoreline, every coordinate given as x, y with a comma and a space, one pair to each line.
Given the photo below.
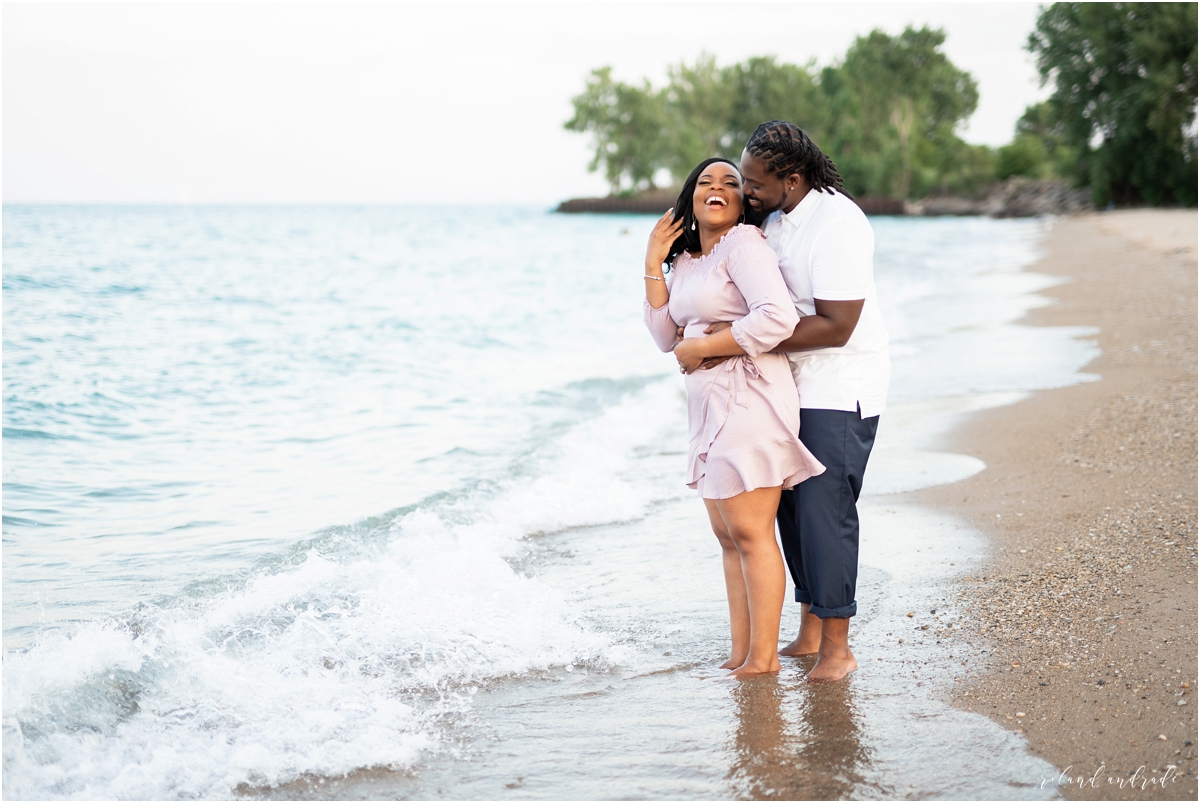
1088, 598
1017, 196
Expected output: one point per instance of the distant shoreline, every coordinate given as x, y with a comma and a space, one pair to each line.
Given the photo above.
657, 203
1016, 197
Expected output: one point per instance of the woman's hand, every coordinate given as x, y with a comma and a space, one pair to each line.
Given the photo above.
690, 353
662, 236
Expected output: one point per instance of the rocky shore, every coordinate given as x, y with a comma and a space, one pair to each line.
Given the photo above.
1089, 601
1016, 197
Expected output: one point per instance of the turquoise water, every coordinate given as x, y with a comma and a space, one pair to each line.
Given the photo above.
390, 500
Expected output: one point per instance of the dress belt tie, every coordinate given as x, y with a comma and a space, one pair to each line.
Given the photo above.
742, 367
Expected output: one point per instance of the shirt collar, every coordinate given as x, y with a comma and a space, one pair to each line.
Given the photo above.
804, 210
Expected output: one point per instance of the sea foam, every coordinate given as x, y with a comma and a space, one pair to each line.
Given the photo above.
344, 657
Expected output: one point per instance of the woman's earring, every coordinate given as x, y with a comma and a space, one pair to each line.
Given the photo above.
693, 225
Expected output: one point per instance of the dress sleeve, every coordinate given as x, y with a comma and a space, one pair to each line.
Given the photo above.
660, 323
754, 268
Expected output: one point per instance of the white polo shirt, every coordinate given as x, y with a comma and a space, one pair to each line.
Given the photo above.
826, 250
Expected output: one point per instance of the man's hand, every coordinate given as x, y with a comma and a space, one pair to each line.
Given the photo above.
713, 362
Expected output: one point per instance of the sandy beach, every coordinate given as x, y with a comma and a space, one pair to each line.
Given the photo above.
1088, 603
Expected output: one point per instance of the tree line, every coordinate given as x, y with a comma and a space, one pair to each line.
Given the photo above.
1121, 118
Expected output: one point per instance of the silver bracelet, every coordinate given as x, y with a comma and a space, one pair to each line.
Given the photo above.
655, 278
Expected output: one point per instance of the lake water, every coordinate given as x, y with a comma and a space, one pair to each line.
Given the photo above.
384, 501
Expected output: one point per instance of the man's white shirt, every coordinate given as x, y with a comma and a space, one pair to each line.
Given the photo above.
826, 250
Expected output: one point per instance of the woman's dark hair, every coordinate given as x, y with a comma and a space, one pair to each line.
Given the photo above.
786, 150
689, 238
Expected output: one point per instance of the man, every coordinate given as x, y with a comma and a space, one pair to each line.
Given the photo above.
839, 356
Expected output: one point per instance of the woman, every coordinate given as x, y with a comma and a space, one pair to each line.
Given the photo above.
743, 414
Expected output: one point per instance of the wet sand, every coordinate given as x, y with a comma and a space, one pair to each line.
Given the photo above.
1088, 600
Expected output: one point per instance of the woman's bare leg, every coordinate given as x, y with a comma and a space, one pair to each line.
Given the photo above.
749, 519
735, 590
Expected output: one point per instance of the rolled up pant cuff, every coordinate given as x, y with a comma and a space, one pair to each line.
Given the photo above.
843, 612
803, 596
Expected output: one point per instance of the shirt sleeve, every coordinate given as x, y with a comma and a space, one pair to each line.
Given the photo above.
661, 325
841, 262
772, 318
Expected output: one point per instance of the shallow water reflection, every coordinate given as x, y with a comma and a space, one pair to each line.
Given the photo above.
785, 751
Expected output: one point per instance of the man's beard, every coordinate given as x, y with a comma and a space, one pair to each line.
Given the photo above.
756, 217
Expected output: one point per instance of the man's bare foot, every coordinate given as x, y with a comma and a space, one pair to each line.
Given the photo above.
832, 667
750, 669
834, 659
801, 647
808, 642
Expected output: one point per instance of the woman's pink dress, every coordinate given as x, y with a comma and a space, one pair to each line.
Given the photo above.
744, 414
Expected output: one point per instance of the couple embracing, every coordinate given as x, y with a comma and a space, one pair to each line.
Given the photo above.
779, 335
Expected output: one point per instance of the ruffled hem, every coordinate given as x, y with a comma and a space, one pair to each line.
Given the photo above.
783, 463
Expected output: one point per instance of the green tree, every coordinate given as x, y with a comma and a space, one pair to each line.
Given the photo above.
1026, 155
1041, 121
1038, 149
698, 101
963, 169
888, 114
762, 90
628, 127
1124, 96
897, 102
714, 110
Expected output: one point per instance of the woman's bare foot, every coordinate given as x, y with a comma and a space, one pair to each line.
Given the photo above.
750, 669
733, 663
808, 642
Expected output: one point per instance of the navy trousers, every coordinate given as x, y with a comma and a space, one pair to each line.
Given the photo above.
818, 519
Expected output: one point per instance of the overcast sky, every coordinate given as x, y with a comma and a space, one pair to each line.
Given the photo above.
343, 103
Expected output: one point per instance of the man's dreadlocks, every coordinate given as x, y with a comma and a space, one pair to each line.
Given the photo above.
786, 150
